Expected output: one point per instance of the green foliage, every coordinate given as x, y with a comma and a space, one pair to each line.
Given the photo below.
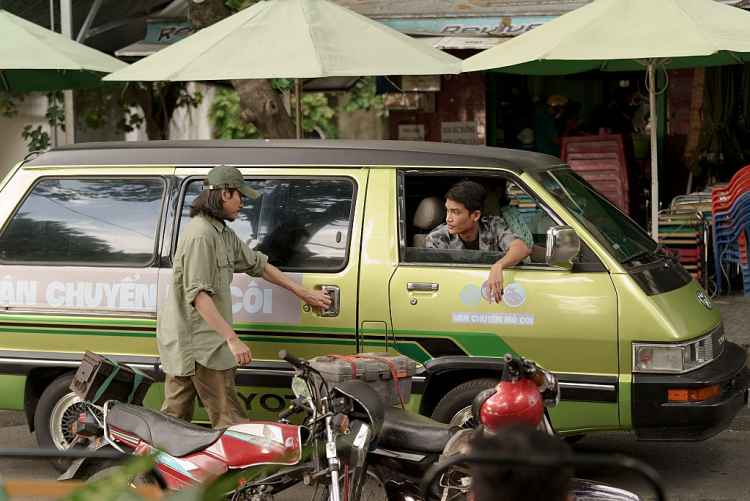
9, 104
363, 97
318, 114
36, 139
237, 5
227, 123
225, 117
116, 487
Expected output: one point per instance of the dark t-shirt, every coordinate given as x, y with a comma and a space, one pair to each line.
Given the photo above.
473, 245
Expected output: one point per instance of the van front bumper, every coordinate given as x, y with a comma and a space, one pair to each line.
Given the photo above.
655, 418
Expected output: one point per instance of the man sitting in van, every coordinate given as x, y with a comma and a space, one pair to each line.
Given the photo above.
465, 228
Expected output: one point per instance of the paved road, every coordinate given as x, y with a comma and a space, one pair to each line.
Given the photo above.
713, 470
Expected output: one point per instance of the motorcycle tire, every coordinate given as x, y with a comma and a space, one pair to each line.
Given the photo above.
55, 413
141, 480
372, 490
458, 401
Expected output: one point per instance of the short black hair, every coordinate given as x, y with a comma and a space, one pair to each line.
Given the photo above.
508, 482
469, 193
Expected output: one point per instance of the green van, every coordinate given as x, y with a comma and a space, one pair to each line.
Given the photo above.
87, 233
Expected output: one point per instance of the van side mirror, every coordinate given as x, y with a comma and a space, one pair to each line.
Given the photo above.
563, 246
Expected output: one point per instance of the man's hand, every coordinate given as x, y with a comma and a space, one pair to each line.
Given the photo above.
241, 352
315, 298
495, 283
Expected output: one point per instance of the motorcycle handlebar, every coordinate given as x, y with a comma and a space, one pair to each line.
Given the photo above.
285, 355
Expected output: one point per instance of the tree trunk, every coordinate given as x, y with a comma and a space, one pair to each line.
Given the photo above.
260, 104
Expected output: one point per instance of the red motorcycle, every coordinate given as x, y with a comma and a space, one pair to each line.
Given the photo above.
328, 450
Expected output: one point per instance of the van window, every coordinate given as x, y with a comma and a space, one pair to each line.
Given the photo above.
423, 212
83, 222
622, 237
300, 224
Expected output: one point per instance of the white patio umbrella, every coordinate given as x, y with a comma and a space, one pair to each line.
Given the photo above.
625, 35
291, 39
33, 58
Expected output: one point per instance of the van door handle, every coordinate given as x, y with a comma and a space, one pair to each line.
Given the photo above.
334, 293
422, 286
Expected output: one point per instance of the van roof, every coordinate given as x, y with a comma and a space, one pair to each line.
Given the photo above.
294, 152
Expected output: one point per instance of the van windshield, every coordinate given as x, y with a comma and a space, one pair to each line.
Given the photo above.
623, 237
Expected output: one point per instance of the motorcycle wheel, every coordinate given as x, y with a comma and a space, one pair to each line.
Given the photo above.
55, 414
372, 490
107, 473
455, 406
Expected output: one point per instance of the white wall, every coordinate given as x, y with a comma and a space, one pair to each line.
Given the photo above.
12, 146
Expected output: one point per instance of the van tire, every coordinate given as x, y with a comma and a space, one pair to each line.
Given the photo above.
57, 403
460, 398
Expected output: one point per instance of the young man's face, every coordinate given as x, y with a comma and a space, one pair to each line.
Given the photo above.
458, 218
232, 202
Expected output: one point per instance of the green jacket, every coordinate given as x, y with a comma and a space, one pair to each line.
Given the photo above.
207, 256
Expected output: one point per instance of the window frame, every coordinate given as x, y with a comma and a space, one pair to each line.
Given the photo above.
353, 213
156, 238
401, 215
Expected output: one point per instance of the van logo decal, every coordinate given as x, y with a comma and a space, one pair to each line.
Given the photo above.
704, 300
471, 295
514, 295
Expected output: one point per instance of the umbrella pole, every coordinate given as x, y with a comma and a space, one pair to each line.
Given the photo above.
298, 107
654, 152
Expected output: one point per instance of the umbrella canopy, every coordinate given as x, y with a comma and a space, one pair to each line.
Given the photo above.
620, 35
33, 58
624, 35
291, 39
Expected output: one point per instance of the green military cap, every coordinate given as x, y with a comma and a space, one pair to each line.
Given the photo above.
224, 177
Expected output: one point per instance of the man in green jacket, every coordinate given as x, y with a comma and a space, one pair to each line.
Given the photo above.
198, 347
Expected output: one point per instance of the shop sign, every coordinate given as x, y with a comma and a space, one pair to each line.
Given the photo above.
459, 132
468, 26
410, 101
163, 31
420, 83
411, 132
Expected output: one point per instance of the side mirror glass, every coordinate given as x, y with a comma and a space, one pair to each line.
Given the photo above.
563, 246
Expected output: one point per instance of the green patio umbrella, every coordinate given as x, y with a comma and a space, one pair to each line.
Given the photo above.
33, 58
291, 39
625, 35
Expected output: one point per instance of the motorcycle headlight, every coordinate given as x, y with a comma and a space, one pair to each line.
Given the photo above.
676, 358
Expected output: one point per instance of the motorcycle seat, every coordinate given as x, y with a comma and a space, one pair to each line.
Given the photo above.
166, 433
403, 430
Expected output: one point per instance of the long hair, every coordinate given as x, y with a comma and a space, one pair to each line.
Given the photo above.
209, 203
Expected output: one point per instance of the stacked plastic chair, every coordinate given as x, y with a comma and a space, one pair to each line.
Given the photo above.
600, 160
730, 205
684, 233
526, 205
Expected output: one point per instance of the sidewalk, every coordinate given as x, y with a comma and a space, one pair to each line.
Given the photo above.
735, 313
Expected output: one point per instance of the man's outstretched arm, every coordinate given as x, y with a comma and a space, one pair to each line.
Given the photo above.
517, 252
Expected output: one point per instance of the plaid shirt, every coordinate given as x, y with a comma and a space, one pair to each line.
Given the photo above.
494, 235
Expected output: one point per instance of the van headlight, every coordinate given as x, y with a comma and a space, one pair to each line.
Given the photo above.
676, 358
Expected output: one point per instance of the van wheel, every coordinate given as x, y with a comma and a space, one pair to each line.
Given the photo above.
57, 411
455, 407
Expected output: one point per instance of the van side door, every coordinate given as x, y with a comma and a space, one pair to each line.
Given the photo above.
564, 320
309, 224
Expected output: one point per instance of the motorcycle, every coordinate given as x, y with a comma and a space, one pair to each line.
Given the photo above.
327, 450
354, 439
411, 445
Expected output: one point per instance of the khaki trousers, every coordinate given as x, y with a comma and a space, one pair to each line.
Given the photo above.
216, 391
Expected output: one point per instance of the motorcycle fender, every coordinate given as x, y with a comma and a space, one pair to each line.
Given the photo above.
256, 443
72, 470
